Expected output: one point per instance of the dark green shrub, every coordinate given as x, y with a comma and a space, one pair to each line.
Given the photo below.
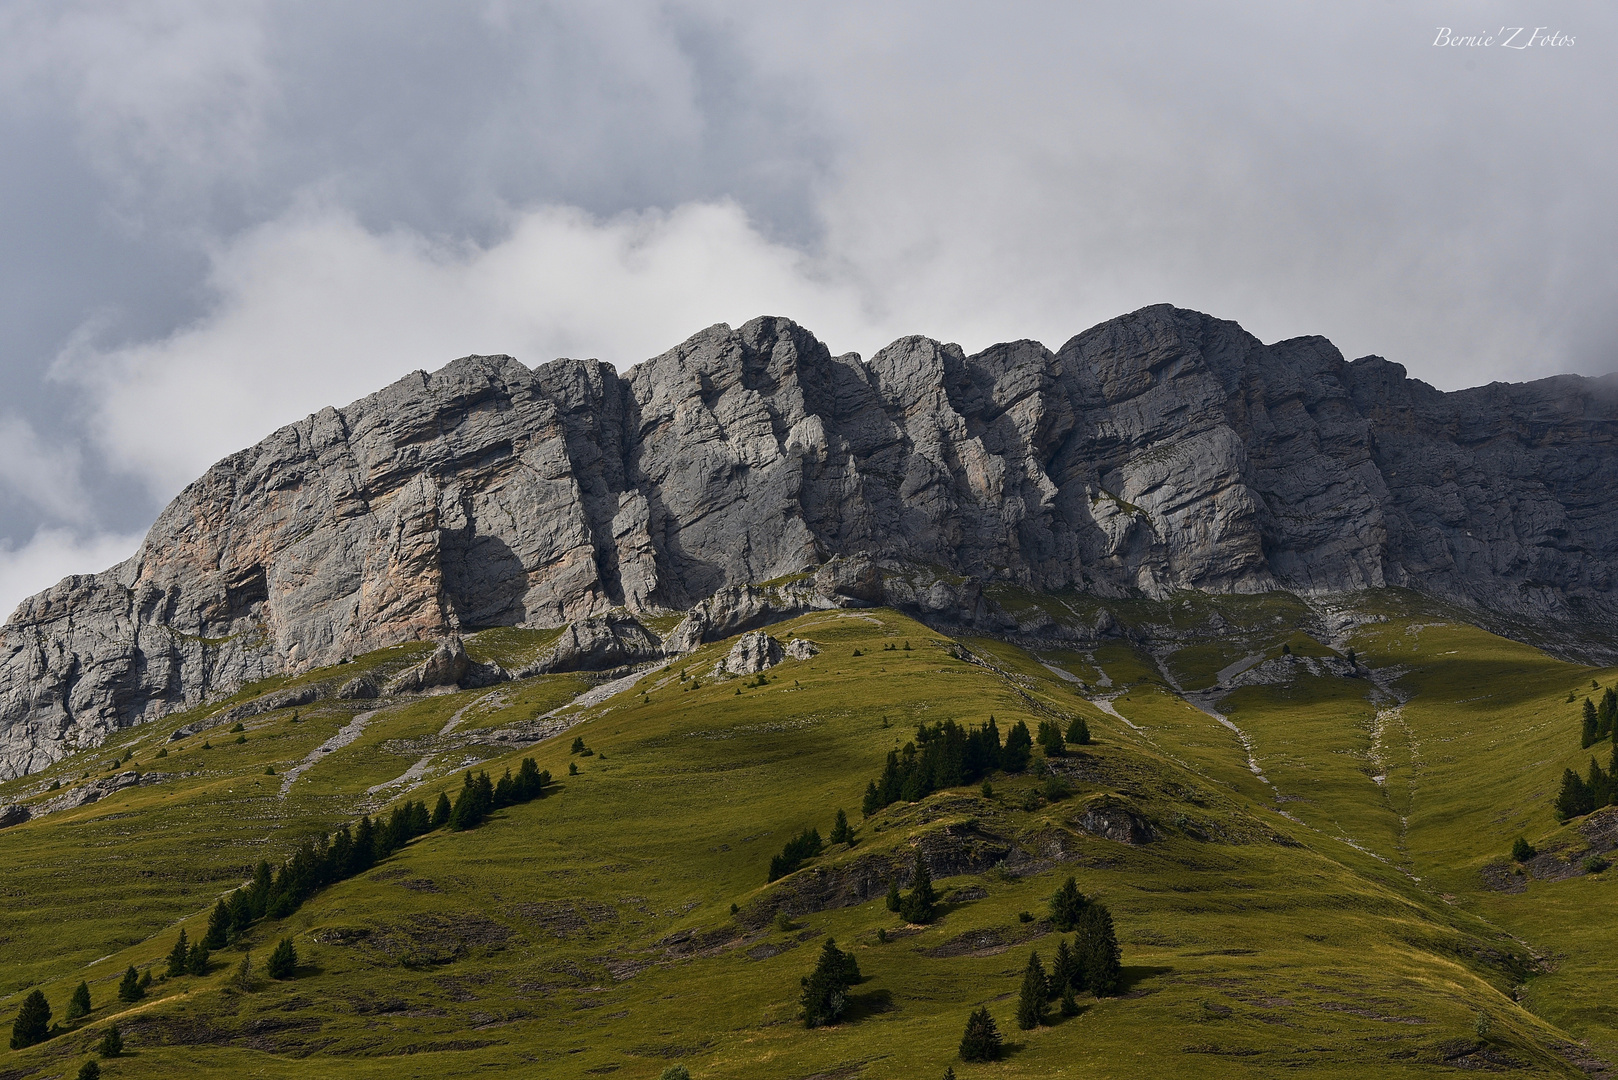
1522, 850
112, 1043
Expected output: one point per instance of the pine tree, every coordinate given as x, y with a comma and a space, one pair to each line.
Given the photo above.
283, 961
918, 905
244, 972
218, 927
578, 745
1067, 905
90, 1070
112, 1043
981, 1042
1070, 1004
129, 989
1575, 798
1031, 1002
441, 811
825, 990
1014, 756
872, 801
895, 901
1078, 732
1050, 739
1587, 736
145, 981
1098, 950
840, 832
1607, 714
178, 957
33, 1023
79, 1004
197, 962
1063, 968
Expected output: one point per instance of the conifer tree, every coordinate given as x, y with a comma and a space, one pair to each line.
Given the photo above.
825, 990
197, 962
33, 1023
283, 961
79, 1004
1574, 797
895, 901
872, 801
840, 832
179, 957
1587, 734
1098, 950
90, 1070
1063, 969
918, 904
1607, 714
112, 1043
129, 989
145, 980
441, 811
1014, 756
676, 1072
981, 1042
1031, 1002
1522, 850
1067, 905
1070, 1004
218, 926
1078, 732
244, 972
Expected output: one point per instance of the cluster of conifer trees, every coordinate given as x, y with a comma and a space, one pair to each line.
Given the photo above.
326, 860
945, 755
916, 906
1583, 795
806, 845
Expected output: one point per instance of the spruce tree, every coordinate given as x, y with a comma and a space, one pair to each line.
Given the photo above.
179, 957
872, 801
79, 1004
825, 990
1031, 1002
981, 1042
1607, 714
145, 980
1067, 905
112, 1043
129, 989
1587, 735
1522, 850
441, 811
197, 962
33, 1023
1571, 800
1014, 756
918, 905
1070, 1004
283, 961
894, 900
1063, 969
1098, 950
90, 1070
218, 927
676, 1072
1078, 732
840, 832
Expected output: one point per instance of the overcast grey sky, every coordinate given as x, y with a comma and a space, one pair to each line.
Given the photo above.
216, 218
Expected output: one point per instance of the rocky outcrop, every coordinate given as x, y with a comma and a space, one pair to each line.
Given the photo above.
752, 653
1159, 451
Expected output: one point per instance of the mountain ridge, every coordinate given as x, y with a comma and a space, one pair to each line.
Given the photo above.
1159, 451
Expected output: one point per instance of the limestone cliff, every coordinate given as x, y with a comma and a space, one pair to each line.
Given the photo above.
1159, 451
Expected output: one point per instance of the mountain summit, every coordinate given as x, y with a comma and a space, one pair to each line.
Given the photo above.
1164, 450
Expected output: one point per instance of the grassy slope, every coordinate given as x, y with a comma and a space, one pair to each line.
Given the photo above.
550, 940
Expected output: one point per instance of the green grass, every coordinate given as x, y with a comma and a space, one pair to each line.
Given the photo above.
590, 933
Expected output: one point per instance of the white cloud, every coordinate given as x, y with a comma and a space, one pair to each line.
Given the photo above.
314, 310
53, 554
45, 476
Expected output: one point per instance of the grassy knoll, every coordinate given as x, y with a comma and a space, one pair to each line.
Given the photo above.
591, 933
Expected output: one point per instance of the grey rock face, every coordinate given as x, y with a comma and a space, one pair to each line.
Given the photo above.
1159, 451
